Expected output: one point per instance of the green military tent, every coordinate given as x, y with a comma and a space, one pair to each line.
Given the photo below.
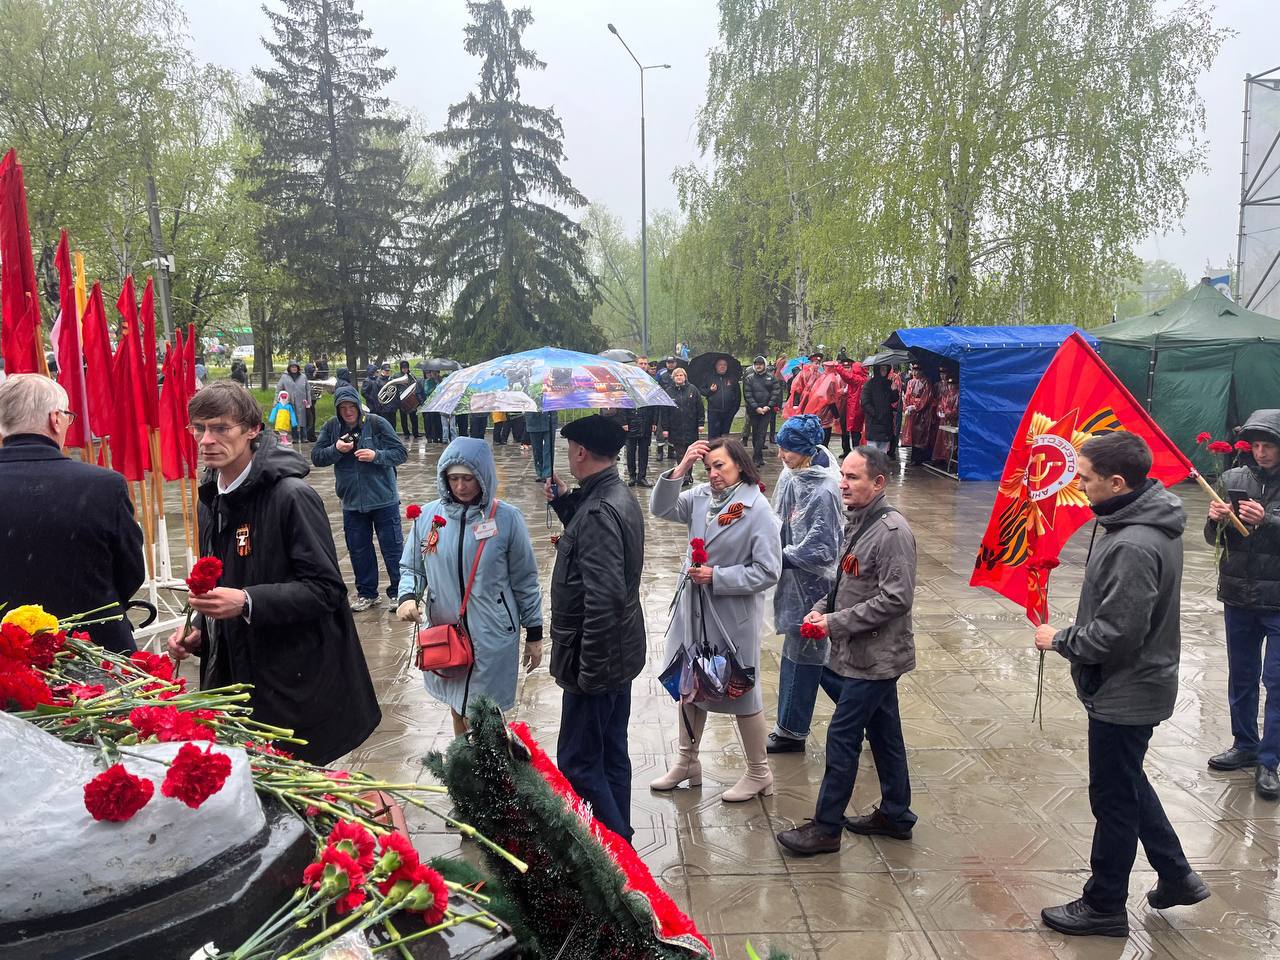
1201, 363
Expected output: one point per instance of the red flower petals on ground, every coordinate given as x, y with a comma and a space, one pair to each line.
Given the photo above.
412, 512
204, 575
116, 794
195, 775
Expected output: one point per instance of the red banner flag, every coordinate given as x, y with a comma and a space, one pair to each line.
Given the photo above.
173, 419
189, 391
129, 451
99, 382
150, 383
1041, 503
21, 339
66, 341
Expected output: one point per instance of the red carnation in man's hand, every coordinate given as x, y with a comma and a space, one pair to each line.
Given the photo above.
204, 575
1244, 446
412, 512
116, 794
1204, 437
1220, 446
812, 631
195, 775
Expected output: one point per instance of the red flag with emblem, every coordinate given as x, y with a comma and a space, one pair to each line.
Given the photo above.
1041, 503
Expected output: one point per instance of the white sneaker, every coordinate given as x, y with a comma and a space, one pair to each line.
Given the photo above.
364, 603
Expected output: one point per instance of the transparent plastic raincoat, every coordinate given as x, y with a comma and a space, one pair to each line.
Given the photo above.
807, 502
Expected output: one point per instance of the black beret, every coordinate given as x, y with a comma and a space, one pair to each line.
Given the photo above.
600, 435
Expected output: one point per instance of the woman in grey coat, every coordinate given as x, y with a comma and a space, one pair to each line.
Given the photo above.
744, 559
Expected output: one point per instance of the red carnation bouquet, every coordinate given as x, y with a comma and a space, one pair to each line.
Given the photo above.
697, 552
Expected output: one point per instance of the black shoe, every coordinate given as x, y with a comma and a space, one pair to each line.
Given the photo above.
1178, 893
759, 463
404, 436
643, 482
631, 482
876, 824
810, 839
1266, 784
779, 744
1236, 758
1078, 919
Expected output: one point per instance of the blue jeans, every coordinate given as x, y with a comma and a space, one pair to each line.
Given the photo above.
797, 692
870, 708
1247, 631
540, 441
358, 529
1125, 810
592, 753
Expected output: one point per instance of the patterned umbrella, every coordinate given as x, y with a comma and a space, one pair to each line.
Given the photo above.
544, 380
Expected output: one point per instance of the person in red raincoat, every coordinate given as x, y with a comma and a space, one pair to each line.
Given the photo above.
918, 402
854, 376
948, 416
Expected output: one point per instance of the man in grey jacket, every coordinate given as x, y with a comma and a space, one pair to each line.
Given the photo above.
1124, 649
867, 616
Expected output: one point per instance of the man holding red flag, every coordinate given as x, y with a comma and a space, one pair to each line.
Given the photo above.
1124, 649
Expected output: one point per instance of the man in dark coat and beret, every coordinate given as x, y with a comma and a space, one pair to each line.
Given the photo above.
67, 532
279, 618
597, 624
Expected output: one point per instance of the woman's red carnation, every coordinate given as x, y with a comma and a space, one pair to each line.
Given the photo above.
412, 512
438, 521
1204, 437
1219, 446
204, 575
21, 688
195, 775
116, 794
1244, 446
359, 840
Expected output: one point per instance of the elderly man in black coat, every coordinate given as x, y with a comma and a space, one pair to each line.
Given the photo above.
67, 530
279, 618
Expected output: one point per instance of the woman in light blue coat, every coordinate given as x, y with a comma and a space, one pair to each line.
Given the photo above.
437, 561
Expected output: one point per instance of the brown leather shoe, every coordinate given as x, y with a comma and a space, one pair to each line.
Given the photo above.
810, 839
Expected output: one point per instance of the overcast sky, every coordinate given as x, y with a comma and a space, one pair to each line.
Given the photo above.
593, 86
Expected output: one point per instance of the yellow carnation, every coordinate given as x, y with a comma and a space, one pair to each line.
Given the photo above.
32, 619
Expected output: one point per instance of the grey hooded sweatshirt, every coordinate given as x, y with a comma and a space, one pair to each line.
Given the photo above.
1125, 644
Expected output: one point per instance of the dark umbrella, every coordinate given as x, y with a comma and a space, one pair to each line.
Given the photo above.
891, 357
620, 354
703, 367
439, 363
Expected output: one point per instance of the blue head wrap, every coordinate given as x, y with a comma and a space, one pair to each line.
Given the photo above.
802, 434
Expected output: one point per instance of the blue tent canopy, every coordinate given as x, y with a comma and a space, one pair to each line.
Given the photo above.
999, 370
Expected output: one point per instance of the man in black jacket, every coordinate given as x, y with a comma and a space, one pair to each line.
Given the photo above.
1249, 588
724, 397
878, 398
762, 396
71, 543
597, 624
279, 617
1124, 649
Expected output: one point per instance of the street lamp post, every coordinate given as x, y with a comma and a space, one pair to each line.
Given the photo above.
644, 213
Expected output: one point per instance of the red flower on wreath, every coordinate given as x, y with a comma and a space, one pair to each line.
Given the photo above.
204, 575
158, 666
351, 838
167, 724
116, 794
428, 896
15, 644
196, 775
21, 688
45, 646
412, 512
337, 873
398, 854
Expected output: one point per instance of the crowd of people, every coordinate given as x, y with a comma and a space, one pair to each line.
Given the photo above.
839, 558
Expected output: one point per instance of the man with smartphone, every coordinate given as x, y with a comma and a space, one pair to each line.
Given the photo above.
1249, 588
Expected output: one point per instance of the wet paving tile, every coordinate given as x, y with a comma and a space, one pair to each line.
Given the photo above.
1005, 826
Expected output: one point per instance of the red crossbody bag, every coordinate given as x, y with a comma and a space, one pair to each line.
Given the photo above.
447, 647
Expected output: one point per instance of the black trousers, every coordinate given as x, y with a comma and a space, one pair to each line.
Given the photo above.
773, 425
408, 420
592, 753
1127, 811
638, 457
479, 424
848, 440
311, 422
718, 424
501, 430
431, 426
758, 426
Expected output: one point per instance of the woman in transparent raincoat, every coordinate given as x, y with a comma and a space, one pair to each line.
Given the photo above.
807, 502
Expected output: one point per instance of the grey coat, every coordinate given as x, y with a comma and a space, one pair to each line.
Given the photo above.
870, 627
747, 559
1125, 644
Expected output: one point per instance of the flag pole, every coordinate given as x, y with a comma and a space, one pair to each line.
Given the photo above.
1213, 495
146, 524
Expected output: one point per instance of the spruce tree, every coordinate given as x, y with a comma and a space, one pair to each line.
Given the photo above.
331, 173
515, 265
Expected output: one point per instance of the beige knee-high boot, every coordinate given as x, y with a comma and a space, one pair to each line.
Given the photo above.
687, 766
759, 778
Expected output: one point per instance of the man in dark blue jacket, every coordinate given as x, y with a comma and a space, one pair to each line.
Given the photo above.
70, 541
364, 451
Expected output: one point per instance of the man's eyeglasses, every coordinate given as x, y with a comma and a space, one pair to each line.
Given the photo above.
69, 414
213, 429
